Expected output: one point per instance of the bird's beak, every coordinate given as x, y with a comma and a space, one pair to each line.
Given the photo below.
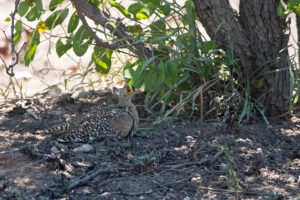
138, 91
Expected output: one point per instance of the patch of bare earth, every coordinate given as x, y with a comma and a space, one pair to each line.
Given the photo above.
154, 164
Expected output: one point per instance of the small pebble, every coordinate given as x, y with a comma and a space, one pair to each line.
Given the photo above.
85, 148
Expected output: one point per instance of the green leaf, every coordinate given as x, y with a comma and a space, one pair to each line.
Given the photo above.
296, 98
139, 81
135, 28
73, 23
148, 11
158, 26
161, 71
120, 8
102, 58
7, 19
297, 10
170, 99
34, 39
17, 36
280, 10
207, 46
141, 15
39, 5
127, 69
158, 29
56, 18
260, 83
172, 68
23, 8
161, 38
189, 4
151, 80
135, 73
135, 8
18, 25
165, 9
130, 70
62, 48
153, 3
146, 63
81, 41
61, 17
140, 11
54, 3
168, 82
32, 14
36, 11
29, 55
294, 3
185, 86
95, 3
103, 3
257, 83
18, 33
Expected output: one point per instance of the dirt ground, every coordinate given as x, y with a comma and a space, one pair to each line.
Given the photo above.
264, 162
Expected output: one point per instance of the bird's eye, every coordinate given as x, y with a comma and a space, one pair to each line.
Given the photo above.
129, 90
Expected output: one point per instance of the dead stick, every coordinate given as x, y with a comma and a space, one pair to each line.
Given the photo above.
81, 180
231, 191
128, 194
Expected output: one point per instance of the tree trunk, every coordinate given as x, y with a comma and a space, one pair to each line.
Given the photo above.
298, 35
257, 36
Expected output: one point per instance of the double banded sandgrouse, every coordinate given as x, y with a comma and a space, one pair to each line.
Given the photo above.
120, 121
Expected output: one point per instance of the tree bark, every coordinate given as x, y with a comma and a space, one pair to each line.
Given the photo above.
257, 36
298, 35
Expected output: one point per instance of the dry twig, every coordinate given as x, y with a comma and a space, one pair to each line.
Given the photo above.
126, 193
231, 191
83, 179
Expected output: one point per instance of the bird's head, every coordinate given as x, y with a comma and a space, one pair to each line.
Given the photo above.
126, 93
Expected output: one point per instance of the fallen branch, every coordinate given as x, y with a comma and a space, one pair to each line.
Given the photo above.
232, 191
83, 179
105, 194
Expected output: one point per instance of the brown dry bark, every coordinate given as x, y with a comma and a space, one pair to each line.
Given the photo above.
298, 34
257, 36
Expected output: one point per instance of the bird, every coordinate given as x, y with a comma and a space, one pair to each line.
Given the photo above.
119, 121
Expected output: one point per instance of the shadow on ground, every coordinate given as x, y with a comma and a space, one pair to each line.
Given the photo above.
263, 162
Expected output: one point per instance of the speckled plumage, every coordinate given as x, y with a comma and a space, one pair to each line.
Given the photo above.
119, 121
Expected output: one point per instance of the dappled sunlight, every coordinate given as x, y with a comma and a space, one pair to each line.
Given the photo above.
205, 127
25, 182
23, 171
196, 178
183, 149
